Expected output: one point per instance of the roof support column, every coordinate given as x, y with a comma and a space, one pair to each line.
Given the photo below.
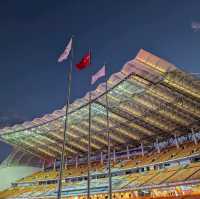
127, 151
157, 145
142, 148
54, 165
194, 137
114, 155
76, 161
66, 163
43, 165
101, 157
176, 141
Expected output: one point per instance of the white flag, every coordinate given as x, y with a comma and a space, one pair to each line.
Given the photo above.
99, 74
66, 52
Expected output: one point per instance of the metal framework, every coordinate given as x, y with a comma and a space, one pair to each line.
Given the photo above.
148, 99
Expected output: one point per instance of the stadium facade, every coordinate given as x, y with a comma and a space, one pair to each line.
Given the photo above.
154, 116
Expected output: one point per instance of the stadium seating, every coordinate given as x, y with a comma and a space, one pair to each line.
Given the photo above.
165, 155
154, 176
176, 173
154, 157
183, 173
163, 175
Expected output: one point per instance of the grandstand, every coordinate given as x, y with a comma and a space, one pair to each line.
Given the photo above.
154, 112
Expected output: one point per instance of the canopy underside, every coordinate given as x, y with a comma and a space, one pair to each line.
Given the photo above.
148, 99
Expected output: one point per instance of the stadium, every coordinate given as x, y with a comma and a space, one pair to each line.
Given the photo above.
154, 112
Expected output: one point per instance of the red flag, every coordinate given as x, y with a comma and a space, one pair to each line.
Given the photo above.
85, 61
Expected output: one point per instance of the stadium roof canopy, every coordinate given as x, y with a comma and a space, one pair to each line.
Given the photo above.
148, 99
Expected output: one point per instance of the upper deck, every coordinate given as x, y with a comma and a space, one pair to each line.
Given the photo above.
149, 98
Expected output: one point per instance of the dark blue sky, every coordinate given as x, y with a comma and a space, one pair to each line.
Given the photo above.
33, 33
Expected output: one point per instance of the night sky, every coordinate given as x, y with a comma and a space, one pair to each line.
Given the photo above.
33, 33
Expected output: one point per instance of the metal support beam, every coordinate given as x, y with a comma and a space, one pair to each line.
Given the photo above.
127, 151
54, 165
76, 161
43, 165
194, 137
66, 163
114, 155
142, 148
157, 145
176, 141
101, 157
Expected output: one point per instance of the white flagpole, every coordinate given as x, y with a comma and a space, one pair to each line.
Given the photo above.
89, 140
108, 141
89, 148
65, 125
